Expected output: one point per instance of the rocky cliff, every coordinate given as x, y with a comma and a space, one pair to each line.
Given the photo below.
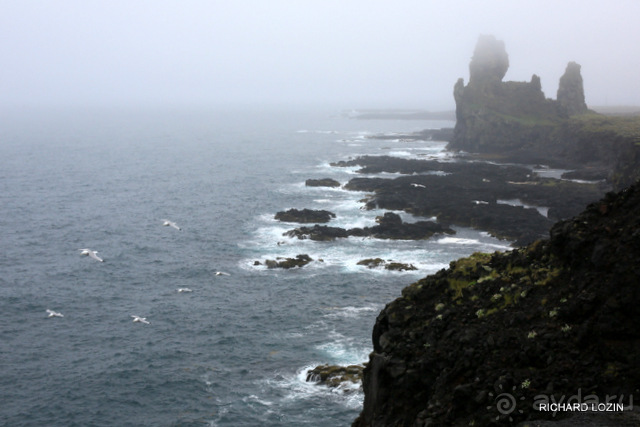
495, 336
514, 121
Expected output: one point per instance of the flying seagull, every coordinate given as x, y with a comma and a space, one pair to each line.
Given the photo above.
91, 253
418, 185
184, 290
54, 313
140, 319
168, 223
222, 273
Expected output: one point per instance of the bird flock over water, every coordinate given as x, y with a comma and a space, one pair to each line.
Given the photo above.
94, 255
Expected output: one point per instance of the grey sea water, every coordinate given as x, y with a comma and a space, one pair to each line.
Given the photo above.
235, 350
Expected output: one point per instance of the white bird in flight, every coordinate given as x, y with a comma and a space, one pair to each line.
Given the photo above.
418, 185
140, 319
91, 253
54, 313
168, 223
222, 273
184, 290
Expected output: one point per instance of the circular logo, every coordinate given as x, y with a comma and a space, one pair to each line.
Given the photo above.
505, 404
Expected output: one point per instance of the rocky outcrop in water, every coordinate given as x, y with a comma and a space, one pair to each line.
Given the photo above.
286, 263
496, 198
390, 226
305, 216
544, 323
335, 376
390, 265
324, 182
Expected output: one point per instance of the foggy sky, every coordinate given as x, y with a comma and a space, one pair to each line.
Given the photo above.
342, 53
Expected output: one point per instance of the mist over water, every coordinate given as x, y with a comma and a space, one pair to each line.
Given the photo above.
236, 349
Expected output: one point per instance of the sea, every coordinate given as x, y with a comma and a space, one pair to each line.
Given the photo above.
229, 349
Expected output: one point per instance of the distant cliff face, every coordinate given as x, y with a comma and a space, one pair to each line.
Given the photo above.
514, 121
495, 115
542, 323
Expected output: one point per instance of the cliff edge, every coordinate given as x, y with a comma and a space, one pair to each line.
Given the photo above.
495, 337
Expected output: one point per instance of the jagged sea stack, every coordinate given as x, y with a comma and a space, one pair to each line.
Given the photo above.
497, 116
490, 61
571, 90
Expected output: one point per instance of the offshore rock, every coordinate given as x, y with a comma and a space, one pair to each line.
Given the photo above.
325, 182
391, 265
390, 226
321, 233
286, 263
552, 320
336, 376
305, 216
473, 194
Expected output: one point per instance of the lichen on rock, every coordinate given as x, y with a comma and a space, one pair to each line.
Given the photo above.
559, 315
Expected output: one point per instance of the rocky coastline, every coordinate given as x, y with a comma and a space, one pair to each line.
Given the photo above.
551, 320
305, 216
515, 122
546, 320
495, 337
390, 226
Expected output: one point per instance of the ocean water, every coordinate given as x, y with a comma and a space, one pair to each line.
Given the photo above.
235, 350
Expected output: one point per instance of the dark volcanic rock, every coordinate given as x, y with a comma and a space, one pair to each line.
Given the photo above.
552, 320
470, 194
325, 182
390, 226
372, 262
514, 121
318, 232
305, 216
335, 376
393, 266
399, 266
298, 261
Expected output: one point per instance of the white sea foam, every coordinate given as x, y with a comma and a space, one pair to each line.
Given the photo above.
255, 399
457, 241
343, 350
476, 245
387, 175
350, 311
401, 154
546, 172
544, 211
296, 387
